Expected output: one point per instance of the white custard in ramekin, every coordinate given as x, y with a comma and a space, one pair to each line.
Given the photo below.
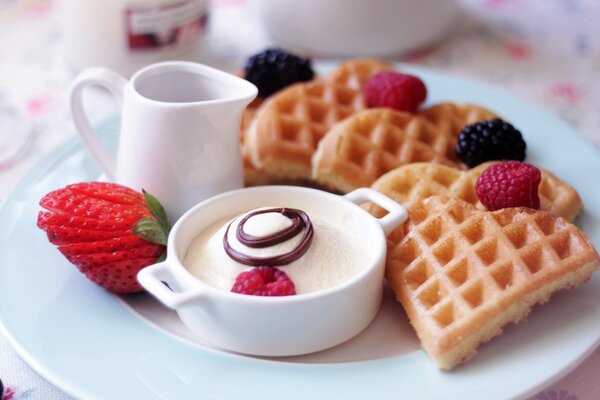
333, 257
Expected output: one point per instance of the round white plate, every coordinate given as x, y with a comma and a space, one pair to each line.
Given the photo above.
94, 345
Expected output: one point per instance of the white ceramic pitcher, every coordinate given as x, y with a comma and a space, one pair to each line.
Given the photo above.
180, 130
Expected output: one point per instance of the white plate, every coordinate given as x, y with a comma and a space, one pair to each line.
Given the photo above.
95, 345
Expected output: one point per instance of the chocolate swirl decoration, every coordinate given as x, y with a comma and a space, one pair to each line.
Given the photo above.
300, 221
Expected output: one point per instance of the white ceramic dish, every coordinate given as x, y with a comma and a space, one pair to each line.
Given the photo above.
163, 107
97, 346
342, 28
277, 326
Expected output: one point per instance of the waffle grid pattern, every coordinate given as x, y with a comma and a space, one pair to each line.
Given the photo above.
305, 113
290, 123
451, 118
410, 183
381, 140
455, 261
375, 141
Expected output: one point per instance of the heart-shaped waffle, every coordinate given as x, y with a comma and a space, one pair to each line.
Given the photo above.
290, 123
412, 182
462, 273
357, 151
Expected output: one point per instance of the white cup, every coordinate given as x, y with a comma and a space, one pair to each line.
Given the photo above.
180, 129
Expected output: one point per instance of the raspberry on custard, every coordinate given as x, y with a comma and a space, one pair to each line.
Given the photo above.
395, 90
264, 281
509, 184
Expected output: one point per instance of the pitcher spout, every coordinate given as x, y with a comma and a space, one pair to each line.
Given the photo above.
193, 83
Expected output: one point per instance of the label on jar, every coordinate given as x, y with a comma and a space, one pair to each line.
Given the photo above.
166, 26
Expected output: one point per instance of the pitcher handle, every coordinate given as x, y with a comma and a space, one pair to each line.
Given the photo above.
397, 214
115, 84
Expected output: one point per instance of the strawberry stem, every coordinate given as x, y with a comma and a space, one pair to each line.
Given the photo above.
157, 210
154, 230
149, 229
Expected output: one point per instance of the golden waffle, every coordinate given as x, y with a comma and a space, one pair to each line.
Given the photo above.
451, 118
462, 273
413, 182
252, 176
256, 176
250, 113
358, 150
290, 123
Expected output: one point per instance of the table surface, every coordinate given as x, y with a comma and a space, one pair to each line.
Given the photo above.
547, 52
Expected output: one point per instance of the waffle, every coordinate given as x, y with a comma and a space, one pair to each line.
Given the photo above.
451, 118
414, 182
290, 123
250, 113
462, 273
358, 150
252, 176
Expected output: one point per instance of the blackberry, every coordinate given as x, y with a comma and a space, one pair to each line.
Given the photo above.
494, 139
274, 69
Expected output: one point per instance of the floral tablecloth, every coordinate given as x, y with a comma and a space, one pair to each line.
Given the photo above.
545, 51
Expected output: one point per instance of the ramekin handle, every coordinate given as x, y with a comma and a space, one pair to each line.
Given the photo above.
153, 279
397, 214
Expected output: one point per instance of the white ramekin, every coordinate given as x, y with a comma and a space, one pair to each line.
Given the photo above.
276, 326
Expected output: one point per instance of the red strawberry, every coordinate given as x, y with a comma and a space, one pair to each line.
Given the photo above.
108, 231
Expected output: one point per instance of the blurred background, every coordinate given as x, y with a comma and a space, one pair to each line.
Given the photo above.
546, 51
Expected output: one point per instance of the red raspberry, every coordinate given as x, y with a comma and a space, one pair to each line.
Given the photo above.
401, 92
509, 184
264, 281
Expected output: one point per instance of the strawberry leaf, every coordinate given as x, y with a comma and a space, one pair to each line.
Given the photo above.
151, 230
157, 210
